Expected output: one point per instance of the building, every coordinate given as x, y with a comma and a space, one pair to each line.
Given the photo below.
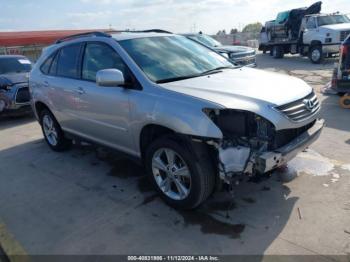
30, 43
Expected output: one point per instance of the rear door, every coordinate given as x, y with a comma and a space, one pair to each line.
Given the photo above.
61, 80
104, 112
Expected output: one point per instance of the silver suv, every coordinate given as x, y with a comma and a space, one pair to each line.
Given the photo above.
193, 118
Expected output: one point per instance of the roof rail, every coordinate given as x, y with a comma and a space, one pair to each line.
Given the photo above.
71, 37
156, 31
147, 31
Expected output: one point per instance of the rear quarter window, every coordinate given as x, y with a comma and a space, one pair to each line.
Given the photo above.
45, 67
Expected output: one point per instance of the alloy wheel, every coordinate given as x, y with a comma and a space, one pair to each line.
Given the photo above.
315, 55
50, 130
171, 174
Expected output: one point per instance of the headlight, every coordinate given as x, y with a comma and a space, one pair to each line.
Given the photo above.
231, 122
236, 123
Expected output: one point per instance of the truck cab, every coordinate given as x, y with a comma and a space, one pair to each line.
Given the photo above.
322, 34
316, 35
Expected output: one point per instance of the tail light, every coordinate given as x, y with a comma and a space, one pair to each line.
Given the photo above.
334, 81
344, 56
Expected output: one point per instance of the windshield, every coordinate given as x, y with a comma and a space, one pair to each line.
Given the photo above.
332, 20
171, 58
206, 40
14, 65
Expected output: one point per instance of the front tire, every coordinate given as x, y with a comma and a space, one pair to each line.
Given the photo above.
53, 133
316, 54
181, 173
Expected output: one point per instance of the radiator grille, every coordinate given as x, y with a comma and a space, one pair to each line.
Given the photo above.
301, 109
23, 95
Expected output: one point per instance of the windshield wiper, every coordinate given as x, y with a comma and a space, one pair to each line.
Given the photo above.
215, 70
173, 79
208, 72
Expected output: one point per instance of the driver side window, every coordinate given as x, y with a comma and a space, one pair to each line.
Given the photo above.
99, 56
311, 24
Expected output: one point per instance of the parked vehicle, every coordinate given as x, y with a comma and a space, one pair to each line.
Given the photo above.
306, 32
287, 24
14, 91
192, 117
240, 55
341, 76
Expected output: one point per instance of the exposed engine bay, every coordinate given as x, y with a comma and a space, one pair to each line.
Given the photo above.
248, 137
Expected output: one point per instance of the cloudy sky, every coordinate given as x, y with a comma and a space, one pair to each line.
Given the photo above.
174, 15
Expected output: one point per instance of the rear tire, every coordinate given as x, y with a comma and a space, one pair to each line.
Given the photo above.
193, 161
53, 133
277, 52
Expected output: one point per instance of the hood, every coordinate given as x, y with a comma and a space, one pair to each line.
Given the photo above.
237, 88
13, 79
337, 27
234, 49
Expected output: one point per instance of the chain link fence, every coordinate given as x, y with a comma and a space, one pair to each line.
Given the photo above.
245, 39
33, 52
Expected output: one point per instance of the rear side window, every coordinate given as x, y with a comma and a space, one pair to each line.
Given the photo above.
68, 60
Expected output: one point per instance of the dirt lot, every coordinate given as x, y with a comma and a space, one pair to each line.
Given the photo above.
81, 202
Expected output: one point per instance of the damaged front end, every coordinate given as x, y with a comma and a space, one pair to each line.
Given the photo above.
252, 145
14, 98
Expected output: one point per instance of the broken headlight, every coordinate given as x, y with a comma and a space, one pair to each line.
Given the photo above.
238, 123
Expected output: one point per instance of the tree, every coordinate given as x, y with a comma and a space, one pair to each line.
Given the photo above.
252, 28
233, 31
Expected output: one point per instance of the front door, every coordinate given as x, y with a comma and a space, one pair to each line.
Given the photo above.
104, 112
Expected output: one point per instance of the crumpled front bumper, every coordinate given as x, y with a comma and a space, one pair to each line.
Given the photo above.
268, 161
9, 102
331, 48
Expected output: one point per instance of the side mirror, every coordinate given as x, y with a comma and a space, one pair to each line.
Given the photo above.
110, 77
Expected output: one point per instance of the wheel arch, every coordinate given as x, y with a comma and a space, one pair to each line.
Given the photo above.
151, 132
39, 106
316, 43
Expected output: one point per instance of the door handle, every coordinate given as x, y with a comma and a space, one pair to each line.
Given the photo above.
80, 91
